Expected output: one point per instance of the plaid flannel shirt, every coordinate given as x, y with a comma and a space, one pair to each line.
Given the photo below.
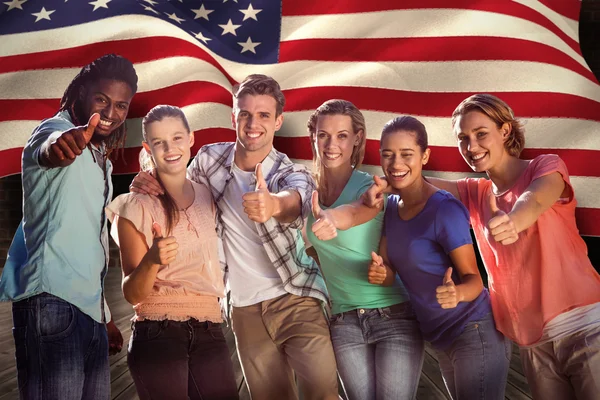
282, 242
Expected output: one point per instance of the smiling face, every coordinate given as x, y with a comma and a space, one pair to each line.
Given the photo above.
480, 141
335, 140
402, 159
255, 120
109, 98
169, 143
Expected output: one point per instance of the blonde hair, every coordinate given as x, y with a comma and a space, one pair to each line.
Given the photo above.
499, 112
337, 107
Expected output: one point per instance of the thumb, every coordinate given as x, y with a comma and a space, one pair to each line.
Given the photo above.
493, 203
260, 180
157, 231
316, 209
376, 258
91, 127
380, 182
448, 277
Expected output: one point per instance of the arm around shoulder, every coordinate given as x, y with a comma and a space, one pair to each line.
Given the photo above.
450, 186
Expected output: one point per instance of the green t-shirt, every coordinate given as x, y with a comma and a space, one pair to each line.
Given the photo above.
345, 259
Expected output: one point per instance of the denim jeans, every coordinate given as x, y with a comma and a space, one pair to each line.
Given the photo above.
180, 360
476, 364
61, 352
379, 352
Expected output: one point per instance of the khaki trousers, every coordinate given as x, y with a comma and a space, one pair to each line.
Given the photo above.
278, 337
565, 369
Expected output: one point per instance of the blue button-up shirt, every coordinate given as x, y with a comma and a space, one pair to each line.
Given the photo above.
62, 248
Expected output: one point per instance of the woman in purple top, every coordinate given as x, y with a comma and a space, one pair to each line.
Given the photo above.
426, 240
429, 230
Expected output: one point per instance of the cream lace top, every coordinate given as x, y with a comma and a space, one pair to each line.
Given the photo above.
191, 286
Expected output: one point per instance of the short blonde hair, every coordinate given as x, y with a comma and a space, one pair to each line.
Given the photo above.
499, 112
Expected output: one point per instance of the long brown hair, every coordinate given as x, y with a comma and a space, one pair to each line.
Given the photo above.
157, 114
109, 66
336, 107
499, 112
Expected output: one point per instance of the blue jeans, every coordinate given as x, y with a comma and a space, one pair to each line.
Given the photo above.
181, 360
379, 352
476, 364
61, 352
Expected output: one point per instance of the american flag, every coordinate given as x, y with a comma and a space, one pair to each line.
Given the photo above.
417, 57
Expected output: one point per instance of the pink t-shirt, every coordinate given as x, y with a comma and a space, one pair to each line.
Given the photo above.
547, 271
189, 287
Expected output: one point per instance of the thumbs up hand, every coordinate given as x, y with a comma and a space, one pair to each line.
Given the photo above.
64, 147
324, 225
501, 226
377, 271
373, 197
260, 204
163, 250
448, 295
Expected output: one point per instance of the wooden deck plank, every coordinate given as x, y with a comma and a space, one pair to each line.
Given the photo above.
428, 390
431, 385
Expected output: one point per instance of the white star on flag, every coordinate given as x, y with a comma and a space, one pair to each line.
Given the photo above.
200, 36
202, 12
248, 45
14, 4
99, 4
230, 27
43, 14
175, 18
250, 13
148, 8
151, 2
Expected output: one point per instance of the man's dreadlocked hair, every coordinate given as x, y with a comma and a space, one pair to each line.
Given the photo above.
109, 66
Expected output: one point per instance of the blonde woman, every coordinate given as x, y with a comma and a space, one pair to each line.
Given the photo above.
374, 331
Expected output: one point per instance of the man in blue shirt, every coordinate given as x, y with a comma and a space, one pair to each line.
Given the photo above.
57, 281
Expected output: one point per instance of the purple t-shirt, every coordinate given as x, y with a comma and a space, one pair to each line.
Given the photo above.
418, 250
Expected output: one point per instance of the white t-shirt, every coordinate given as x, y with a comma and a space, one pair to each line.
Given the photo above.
252, 276
570, 322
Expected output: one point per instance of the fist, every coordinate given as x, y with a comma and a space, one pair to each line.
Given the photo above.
163, 250
501, 226
447, 295
373, 197
259, 205
324, 226
115, 339
71, 143
377, 271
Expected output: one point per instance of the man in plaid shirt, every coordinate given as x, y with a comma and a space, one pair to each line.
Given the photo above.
262, 199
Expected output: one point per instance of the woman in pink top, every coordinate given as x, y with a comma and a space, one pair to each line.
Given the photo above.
544, 290
171, 273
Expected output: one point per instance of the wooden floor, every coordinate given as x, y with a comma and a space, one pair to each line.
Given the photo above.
431, 385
